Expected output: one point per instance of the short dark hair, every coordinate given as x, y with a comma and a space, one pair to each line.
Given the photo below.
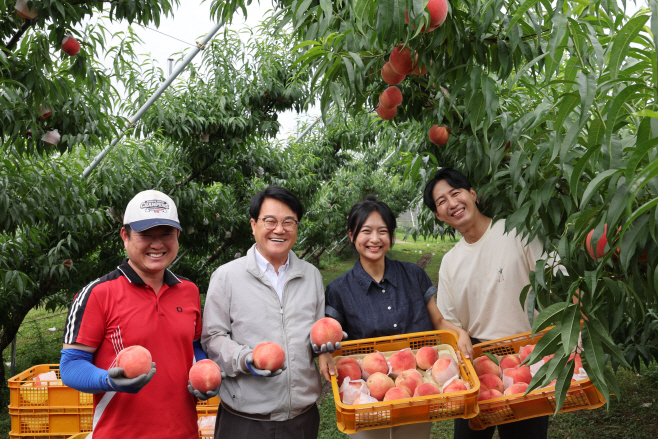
128, 229
360, 211
278, 193
453, 177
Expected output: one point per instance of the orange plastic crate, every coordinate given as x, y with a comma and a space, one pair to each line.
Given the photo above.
355, 418
79, 436
23, 394
48, 420
541, 402
208, 410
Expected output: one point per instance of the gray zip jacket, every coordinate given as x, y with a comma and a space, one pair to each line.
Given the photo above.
243, 309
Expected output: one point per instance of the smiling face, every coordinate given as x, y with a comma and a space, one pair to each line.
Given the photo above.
455, 206
373, 240
151, 251
274, 244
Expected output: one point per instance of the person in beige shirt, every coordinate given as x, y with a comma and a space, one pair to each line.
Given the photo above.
481, 279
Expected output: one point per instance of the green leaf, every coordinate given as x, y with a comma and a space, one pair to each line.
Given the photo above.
593, 352
622, 41
617, 107
608, 343
587, 89
520, 11
548, 316
562, 385
570, 328
568, 103
594, 185
645, 113
525, 68
546, 345
560, 23
492, 357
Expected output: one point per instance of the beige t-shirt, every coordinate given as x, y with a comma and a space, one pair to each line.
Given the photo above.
480, 283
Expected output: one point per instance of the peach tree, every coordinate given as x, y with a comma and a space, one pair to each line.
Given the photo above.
554, 118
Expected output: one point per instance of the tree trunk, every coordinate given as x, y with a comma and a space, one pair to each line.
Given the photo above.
424, 261
316, 256
342, 247
10, 328
217, 253
305, 252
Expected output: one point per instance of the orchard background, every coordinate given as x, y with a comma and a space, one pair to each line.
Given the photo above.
553, 110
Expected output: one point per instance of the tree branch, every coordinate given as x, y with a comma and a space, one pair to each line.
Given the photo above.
14, 40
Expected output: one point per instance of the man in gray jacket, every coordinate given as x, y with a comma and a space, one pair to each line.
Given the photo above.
268, 295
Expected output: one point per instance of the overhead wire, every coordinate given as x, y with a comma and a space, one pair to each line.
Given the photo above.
167, 35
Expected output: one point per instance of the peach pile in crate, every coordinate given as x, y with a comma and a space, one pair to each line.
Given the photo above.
390, 376
508, 376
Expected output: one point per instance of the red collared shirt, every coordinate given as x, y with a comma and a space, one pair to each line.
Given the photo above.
119, 310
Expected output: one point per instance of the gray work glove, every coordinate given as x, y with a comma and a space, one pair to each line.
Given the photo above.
203, 396
249, 362
120, 383
328, 348
209, 394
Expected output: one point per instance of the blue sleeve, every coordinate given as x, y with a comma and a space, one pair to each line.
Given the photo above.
78, 372
199, 354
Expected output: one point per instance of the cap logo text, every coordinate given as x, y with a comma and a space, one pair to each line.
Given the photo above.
155, 206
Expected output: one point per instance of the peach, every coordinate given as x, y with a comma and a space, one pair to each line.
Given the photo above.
548, 358
426, 357
386, 113
343, 360
402, 360
326, 330
438, 10
401, 61
347, 369
490, 381
205, 375
509, 361
439, 135
134, 360
489, 394
520, 374
484, 365
409, 380
269, 356
390, 76
396, 393
375, 362
455, 386
378, 384
525, 351
353, 384
516, 389
390, 98
427, 389
444, 369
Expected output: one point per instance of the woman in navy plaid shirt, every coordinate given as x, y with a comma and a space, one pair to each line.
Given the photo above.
381, 297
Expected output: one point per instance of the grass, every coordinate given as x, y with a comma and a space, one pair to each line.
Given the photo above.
634, 416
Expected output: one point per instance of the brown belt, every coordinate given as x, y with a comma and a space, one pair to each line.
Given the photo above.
255, 416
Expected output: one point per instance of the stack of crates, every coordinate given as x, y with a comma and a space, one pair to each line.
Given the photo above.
51, 410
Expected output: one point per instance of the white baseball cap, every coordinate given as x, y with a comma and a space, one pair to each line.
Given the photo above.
151, 208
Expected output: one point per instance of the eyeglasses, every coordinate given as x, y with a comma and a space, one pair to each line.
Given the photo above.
289, 225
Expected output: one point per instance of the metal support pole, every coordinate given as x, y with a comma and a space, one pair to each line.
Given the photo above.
310, 127
170, 65
133, 120
12, 367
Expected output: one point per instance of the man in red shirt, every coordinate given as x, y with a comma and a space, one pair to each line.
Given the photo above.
139, 303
